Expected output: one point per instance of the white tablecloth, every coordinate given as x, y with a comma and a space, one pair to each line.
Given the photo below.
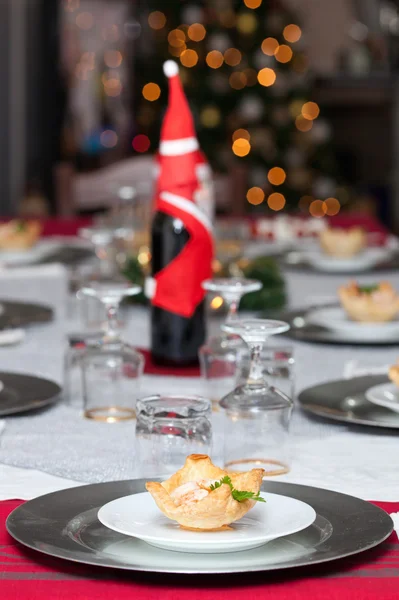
357, 461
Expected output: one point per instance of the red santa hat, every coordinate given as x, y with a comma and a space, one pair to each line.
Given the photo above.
179, 158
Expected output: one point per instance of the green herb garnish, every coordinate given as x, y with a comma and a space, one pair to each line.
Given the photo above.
20, 226
368, 289
238, 495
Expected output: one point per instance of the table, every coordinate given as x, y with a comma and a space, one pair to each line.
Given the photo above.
368, 461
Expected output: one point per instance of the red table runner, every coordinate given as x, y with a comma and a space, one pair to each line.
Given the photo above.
25, 574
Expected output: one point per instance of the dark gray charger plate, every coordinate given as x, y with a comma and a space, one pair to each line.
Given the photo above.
344, 400
304, 331
303, 266
17, 314
23, 393
65, 525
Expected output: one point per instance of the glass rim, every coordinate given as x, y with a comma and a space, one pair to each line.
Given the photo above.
200, 404
256, 328
98, 289
231, 285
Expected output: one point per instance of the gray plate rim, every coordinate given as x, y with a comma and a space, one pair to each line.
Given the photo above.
12, 318
364, 381
32, 404
373, 528
318, 335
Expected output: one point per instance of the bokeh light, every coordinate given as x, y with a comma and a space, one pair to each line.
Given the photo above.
252, 3
317, 208
156, 20
210, 117
310, 111
269, 46
295, 108
292, 33
232, 57
332, 206
303, 124
71, 5
276, 201
241, 147
112, 87
283, 53
241, 133
217, 302
266, 77
247, 23
109, 138
276, 176
189, 58
84, 20
151, 91
141, 143
214, 59
255, 195
176, 38
113, 59
238, 80
196, 32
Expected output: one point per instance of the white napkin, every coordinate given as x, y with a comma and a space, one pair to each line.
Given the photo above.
25, 484
353, 369
9, 337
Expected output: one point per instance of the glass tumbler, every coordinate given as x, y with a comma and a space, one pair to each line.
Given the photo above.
168, 429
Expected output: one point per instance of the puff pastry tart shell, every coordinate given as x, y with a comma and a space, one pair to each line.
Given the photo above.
378, 306
201, 508
343, 243
12, 237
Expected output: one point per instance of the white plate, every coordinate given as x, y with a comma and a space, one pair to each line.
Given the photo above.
369, 258
30, 255
385, 394
138, 516
336, 319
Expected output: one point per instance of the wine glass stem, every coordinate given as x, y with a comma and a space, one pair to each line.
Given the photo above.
232, 314
112, 321
255, 372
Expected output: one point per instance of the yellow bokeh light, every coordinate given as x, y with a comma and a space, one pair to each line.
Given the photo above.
210, 116
269, 46
255, 196
247, 23
238, 80
310, 111
214, 59
177, 51
292, 33
241, 133
232, 57
252, 3
156, 20
241, 147
151, 91
317, 208
266, 77
276, 176
303, 124
85, 20
217, 302
276, 201
189, 58
295, 108
332, 206
176, 38
283, 53
196, 32
113, 59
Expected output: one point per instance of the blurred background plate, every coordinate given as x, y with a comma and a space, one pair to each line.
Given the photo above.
16, 314
22, 393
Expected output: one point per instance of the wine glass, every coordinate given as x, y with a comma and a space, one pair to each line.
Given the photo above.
220, 356
256, 415
103, 241
111, 368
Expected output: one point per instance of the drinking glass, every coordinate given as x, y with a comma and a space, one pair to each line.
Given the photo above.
256, 414
111, 368
278, 366
220, 356
168, 429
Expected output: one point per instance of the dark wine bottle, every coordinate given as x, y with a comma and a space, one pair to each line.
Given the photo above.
175, 340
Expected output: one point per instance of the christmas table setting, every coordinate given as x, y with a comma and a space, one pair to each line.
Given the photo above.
135, 408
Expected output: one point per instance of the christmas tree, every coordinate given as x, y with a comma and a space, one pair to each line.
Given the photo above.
244, 68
